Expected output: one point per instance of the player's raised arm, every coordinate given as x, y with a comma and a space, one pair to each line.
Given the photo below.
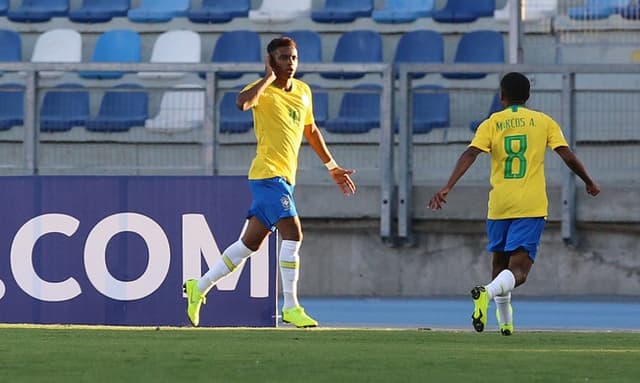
341, 176
249, 97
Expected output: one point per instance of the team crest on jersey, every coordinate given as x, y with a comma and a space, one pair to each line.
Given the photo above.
305, 100
286, 204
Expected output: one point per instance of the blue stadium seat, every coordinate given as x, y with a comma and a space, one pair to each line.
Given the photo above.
430, 108
341, 11
158, 11
219, 11
116, 46
309, 46
11, 46
496, 106
464, 11
478, 47
11, 105
38, 11
121, 109
4, 7
403, 11
64, 108
320, 105
360, 46
99, 11
420, 46
227, 50
359, 112
597, 9
632, 12
232, 119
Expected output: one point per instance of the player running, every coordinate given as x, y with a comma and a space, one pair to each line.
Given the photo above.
516, 138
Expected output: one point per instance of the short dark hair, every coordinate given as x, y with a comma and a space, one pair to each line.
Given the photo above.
515, 87
280, 42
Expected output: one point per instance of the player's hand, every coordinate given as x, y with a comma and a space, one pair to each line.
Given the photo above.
343, 180
268, 69
439, 199
593, 189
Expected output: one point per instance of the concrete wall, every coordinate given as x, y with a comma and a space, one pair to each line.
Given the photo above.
342, 255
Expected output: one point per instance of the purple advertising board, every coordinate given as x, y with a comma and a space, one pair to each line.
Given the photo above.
116, 250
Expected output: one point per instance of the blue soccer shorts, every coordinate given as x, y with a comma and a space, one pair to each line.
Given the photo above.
272, 201
506, 235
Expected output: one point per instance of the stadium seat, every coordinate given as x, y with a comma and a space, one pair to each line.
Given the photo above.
227, 50
359, 111
180, 110
219, 11
309, 45
531, 10
64, 108
360, 46
4, 7
11, 105
403, 11
121, 109
597, 9
115, 46
158, 11
340, 11
38, 11
99, 11
464, 11
11, 44
478, 47
496, 106
57, 46
632, 12
232, 119
420, 46
181, 46
430, 108
280, 11
320, 105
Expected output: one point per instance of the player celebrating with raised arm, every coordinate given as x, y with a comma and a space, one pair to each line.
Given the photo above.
516, 139
282, 114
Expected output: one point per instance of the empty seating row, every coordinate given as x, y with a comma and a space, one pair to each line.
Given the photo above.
182, 46
272, 11
126, 106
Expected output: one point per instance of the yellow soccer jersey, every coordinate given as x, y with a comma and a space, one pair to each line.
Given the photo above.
517, 138
279, 118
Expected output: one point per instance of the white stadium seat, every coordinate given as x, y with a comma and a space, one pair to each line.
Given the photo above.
180, 46
180, 111
280, 11
57, 46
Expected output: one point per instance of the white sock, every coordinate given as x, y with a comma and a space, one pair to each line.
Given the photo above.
502, 284
289, 270
503, 302
231, 258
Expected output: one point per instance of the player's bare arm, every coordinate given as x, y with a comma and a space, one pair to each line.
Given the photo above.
247, 98
341, 176
572, 161
467, 158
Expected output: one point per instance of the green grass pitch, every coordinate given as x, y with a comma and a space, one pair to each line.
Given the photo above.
114, 354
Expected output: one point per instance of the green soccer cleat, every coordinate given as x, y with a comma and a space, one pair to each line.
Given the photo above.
297, 317
195, 299
506, 329
480, 303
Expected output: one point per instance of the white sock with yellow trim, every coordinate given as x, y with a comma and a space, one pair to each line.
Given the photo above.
289, 270
231, 258
501, 284
503, 303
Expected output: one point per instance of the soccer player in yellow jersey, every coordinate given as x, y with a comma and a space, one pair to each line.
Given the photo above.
516, 138
282, 114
